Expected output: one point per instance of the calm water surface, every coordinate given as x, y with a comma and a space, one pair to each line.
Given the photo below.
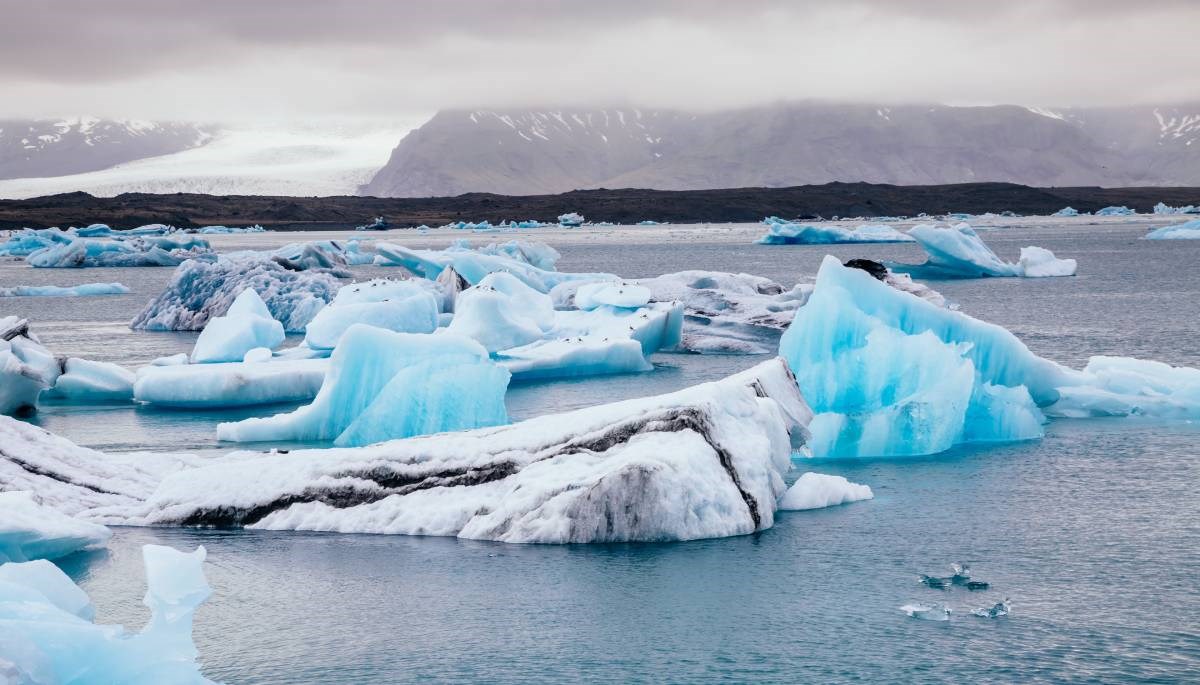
1093, 532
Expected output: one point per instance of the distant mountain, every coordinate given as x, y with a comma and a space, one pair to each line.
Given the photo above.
317, 159
41, 147
531, 152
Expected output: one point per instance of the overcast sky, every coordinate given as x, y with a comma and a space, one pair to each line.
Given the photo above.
226, 60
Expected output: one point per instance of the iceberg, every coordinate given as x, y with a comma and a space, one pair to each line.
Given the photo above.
621, 294
649, 222
927, 612
707, 461
383, 385
377, 224
94, 231
29, 240
1164, 208
216, 230
26, 367
201, 290
327, 255
817, 491
86, 289
889, 374
30, 530
570, 220
49, 638
473, 265
806, 234
502, 312
1189, 230
83, 380
403, 306
536, 254
959, 252
92, 252
1115, 211
998, 610
237, 384
1066, 211
246, 325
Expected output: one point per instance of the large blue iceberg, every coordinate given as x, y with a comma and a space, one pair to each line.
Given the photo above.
889, 374
47, 634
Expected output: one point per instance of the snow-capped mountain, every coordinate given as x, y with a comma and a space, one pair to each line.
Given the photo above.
551, 151
297, 160
41, 147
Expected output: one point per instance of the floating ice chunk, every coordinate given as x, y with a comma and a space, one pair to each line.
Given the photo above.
473, 265
244, 383
570, 219
962, 573
47, 642
707, 461
257, 355
1120, 386
611, 293
199, 291
91, 252
318, 254
817, 491
648, 222
84, 380
30, 530
210, 230
889, 374
1163, 208
935, 582
26, 368
1115, 211
959, 252
246, 325
535, 254
501, 312
927, 612
377, 224
361, 373
1066, 211
806, 234
86, 289
1189, 230
29, 240
402, 306
151, 229
997, 610
45, 579
94, 231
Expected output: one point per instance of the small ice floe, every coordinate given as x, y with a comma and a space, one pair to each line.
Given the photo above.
975, 585
962, 573
935, 582
927, 612
997, 610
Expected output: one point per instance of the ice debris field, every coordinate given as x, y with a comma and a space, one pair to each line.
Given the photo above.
399, 382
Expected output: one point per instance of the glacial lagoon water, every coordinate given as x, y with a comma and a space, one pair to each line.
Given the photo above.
1093, 532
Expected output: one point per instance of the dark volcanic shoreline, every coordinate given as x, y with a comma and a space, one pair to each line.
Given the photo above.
618, 206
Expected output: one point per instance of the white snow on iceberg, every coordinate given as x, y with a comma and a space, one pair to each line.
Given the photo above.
246, 325
406, 306
30, 530
48, 637
817, 491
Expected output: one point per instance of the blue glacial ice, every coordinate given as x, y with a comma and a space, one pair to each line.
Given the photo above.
94, 231
26, 367
235, 384
376, 224
31, 530
1115, 211
47, 634
407, 306
125, 252
998, 610
201, 290
382, 385
621, 294
889, 374
818, 490
1164, 208
217, 230
29, 240
1189, 230
927, 612
1066, 211
570, 219
246, 325
85, 381
959, 252
83, 290
502, 312
781, 232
